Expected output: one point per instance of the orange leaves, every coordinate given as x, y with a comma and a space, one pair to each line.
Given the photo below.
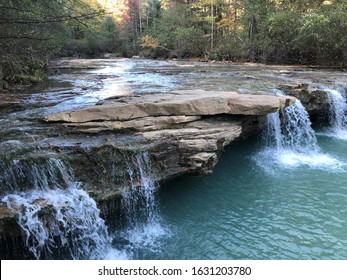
149, 41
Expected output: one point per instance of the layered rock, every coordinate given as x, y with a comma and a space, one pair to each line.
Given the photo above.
183, 132
315, 101
179, 103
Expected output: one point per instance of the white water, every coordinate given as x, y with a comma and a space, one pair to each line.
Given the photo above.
337, 113
58, 218
291, 130
145, 227
51, 173
60, 221
291, 142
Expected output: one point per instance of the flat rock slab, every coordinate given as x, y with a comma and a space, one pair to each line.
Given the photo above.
177, 103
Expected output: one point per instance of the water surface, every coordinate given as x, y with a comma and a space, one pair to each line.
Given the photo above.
244, 212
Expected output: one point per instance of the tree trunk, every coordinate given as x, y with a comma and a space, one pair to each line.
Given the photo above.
212, 27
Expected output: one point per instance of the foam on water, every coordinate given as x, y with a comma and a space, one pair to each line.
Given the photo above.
339, 134
291, 142
271, 160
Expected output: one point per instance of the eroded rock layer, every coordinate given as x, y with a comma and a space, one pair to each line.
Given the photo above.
184, 132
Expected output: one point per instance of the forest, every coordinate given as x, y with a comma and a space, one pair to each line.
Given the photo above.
267, 31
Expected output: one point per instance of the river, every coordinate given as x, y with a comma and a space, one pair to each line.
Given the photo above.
278, 195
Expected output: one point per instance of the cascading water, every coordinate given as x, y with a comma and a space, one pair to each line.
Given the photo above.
144, 226
338, 105
19, 175
60, 222
140, 202
291, 130
337, 112
57, 218
291, 141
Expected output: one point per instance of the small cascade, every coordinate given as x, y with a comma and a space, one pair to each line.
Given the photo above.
338, 107
19, 175
290, 141
273, 134
58, 219
144, 225
140, 202
60, 222
291, 129
337, 112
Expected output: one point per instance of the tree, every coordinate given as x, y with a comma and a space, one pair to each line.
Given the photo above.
31, 31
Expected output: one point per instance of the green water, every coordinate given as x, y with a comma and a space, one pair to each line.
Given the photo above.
243, 211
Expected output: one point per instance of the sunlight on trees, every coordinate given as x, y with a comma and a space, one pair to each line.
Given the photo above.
274, 31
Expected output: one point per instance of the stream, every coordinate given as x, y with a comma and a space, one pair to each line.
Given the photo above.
278, 195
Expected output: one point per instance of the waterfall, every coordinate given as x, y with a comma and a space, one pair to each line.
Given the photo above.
140, 202
60, 222
290, 141
291, 129
144, 226
19, 175
338, 108
58, 219
337, 112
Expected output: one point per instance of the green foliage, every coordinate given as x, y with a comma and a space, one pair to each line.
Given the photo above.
282, 29
188, 41
32, 31
287, 31
322, 36
230, 48
168, 23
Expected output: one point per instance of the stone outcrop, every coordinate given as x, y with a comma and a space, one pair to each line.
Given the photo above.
8, 221
179, 103
315, 101
184, 131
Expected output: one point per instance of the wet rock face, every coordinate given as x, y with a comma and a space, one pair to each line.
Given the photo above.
8, 223
315, 101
